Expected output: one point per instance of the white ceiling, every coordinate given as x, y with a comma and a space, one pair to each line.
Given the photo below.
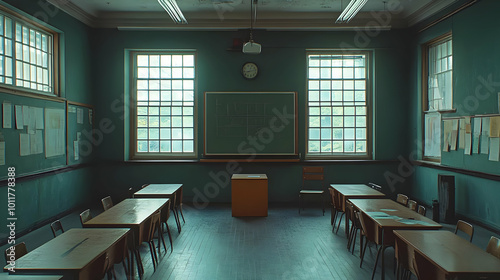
235, 14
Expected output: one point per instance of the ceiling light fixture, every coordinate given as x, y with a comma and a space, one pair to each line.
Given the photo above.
173, 11
350, 11
251, 47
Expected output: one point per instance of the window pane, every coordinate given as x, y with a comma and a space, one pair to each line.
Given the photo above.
164, 81
337, 100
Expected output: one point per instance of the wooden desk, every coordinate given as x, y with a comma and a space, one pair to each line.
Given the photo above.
384, 226
170, 191
249, 195
5, 276
354, 191
455, 256
70, 253
130, 213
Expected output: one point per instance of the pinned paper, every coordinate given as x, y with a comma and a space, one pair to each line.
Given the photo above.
495, 126
476, 135
19, 116
7, 115
494, 149
461, 134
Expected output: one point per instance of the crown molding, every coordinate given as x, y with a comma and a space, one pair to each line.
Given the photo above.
427, 11
75, 11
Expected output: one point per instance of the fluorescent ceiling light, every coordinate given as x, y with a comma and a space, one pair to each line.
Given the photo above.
173, 11
351, 10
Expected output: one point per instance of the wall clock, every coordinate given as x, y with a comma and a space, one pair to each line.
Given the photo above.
249, 70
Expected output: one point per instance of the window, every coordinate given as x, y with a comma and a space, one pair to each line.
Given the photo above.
438, 91
26, 55
338, 105
163, 92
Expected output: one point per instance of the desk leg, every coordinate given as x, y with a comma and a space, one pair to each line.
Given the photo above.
347, 218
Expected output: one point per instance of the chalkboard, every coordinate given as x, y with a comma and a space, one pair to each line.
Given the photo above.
250, 123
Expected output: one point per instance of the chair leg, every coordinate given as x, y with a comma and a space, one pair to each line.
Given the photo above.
376, 261
182, 215
160, 236
169, 237
340, 220
354, 241
363, 252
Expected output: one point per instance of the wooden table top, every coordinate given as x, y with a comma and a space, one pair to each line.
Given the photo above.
451, 253
70, 251
389, 214
249, 177
356, 190
5, 276
158, 189
129, 212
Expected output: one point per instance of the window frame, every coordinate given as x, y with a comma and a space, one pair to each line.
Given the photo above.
425, 93
133, 154
369, 72
28, 21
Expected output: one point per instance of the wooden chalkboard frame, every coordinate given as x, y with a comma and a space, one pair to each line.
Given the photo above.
232, 155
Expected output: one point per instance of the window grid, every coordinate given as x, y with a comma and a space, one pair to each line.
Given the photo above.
337, 105
165, 104
26, 56
440, 86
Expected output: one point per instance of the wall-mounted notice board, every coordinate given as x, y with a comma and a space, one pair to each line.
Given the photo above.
33, 134
250, 123
81, 137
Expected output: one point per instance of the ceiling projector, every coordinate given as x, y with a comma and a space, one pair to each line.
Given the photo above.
251, 47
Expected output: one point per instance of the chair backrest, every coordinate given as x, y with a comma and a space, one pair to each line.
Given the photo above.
375, 186
424, 269
412, 204
107, 203
494, 247
402, 199
19, 251
368, 230
155, 223
465, 228
403, 254
85, 216
421, 210
56, 226
97, 269
119, 252
312, 174
332, 196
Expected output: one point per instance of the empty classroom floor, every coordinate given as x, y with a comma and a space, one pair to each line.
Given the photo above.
284, 245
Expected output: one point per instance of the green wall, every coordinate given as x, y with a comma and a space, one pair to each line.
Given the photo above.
475, 59
43, 198
282, 66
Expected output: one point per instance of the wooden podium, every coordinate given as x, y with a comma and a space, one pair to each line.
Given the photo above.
249, 195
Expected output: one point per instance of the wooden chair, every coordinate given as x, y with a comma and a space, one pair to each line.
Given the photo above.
119, 254
56, 226
355, 225
19, 251
412, 204
165, 215
333, 216
402, 199
421, 210
404, 268
155, 218
368, 231
107, 203
465, 228
424, 269
494, 247
338, 209
97, 269
310, 175
85, 216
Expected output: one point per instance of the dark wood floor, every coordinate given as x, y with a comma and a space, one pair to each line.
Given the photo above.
284, 245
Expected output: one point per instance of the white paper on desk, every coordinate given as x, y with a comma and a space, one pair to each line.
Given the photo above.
485, 143
377, 214
18, 112
24, 144
36, 142
75, 148
461, 134
32, 120
494, 149
7, 115
39, 118
79, 115
2, 152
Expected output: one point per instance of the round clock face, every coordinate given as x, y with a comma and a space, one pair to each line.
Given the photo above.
250, 70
